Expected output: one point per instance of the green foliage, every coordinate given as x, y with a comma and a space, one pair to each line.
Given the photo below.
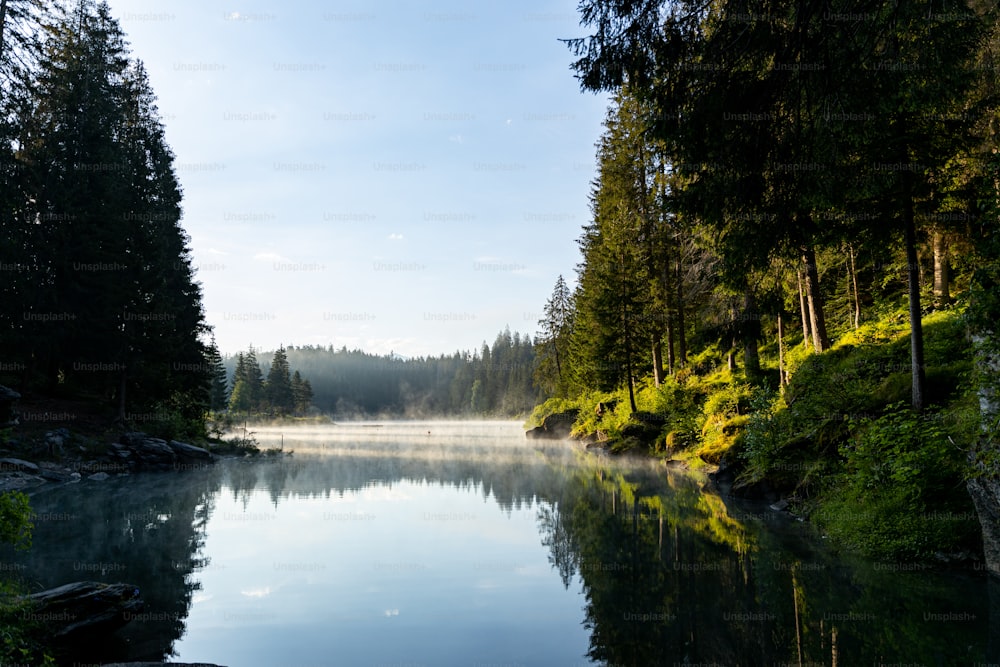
242, 443
549, 407
725, 416
278, 387
678, 401
218, 424
21, 639
172, 421
302, 393
855, 167
605, 422
729, 401
15, 519
553, 341
900, 493
219, 382
90, 210
765, 432
497, 380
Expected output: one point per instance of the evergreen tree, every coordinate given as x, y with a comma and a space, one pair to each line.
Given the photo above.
219, 392
302, 393
254, 381
278, 390
97, 229
784, 116
553, 340
239, 398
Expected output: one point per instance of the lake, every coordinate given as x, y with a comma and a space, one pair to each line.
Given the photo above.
464, 543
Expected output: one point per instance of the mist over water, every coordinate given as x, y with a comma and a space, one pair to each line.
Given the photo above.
458, 543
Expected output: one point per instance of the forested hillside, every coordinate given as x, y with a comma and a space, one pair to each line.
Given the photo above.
494, 381
793, 241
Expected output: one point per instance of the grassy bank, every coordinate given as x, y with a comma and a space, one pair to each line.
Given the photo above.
839, 442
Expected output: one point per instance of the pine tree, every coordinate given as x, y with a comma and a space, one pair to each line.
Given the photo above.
302, 393
219, 390
553, 340
238, 396
278, 389
254, 380
101, 236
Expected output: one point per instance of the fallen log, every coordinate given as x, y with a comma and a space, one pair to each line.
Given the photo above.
84, 608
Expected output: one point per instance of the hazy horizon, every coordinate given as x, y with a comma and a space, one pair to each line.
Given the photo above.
387, 178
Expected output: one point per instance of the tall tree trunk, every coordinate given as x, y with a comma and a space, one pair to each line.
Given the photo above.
751, 357
3, 23
681, 338
671, 359
853, 287
631, 378
657, 358
815, 300
913, 282
984, 484
782, 377
555, 352
750, 327
806, 329
942, 286
628, 356
798, 622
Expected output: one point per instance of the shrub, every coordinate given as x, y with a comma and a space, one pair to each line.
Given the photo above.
15, 519
549, 407
765, 432
21, 639
901, 493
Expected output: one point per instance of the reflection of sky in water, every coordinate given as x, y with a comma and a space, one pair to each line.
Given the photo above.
407, 572
386, 546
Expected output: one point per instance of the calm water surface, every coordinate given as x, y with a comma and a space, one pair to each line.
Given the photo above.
430, 543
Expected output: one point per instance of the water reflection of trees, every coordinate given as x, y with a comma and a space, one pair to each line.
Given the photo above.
149, 531
672, 575
513, 477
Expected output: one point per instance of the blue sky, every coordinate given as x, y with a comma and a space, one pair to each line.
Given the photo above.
387, 175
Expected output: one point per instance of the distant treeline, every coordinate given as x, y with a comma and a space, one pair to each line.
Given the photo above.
494, 381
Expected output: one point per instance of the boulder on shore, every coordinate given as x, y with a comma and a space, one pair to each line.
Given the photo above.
140, 451
147, 452
190, 453
84, 609
556, 426
18, 465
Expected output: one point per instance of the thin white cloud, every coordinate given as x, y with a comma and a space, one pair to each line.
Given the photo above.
395, 237
257, 592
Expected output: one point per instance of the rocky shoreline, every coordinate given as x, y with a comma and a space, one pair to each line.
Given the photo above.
84, 608
30, 461
134, 452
